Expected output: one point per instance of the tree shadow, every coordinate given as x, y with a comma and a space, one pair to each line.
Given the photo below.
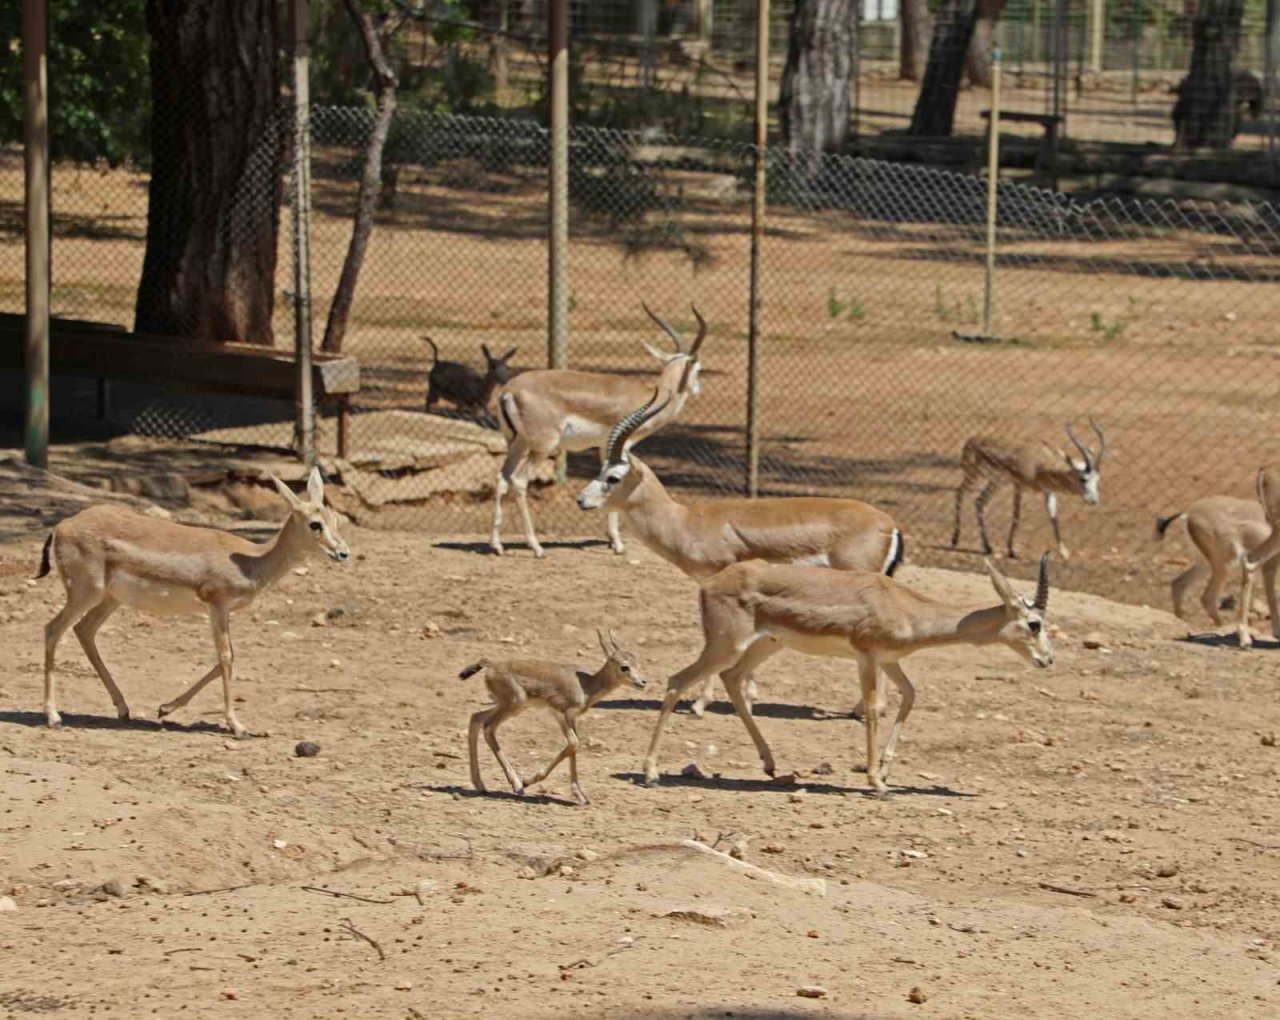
720, 782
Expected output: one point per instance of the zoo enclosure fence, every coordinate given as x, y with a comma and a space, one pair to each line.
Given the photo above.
1154, 318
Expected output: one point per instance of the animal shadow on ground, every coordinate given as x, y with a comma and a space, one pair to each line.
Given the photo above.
719, 782
761, 710
738, 1013
482, 548
1212, 639
467, 792
110, 722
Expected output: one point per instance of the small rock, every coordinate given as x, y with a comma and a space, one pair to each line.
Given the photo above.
1268, 740
7, 903
306, 749
823, 769
67, 886
915, 855
798, 797
279, 844
1093, 640
335, 663
584, 854
1128, 897
811, 992
149, 884
404, 986
321, 619
626, 940
1166, 871
430, 630
114, 887
565, 871
917, 995
692, 771
229, 993
425, 888
711, 916
526, 873
1172, 903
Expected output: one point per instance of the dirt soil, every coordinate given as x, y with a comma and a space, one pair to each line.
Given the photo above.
1095, 839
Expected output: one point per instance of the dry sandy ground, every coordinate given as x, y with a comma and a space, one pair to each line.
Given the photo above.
1134, 775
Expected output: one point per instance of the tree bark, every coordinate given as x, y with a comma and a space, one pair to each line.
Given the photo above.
935, 110
913, 45
1206, 114
978, 61
821, 61
384, 88
217, 145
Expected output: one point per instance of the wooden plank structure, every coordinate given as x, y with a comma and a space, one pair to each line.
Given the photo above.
105, 351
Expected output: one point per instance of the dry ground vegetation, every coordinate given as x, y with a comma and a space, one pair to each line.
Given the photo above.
1094, 839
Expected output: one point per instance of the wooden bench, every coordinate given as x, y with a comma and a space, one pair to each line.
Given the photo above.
1046, 156
106, 351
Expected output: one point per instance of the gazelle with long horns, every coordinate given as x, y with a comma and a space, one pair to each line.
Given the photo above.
551, 410
705, 536
1037, 469
752, 609
108, 556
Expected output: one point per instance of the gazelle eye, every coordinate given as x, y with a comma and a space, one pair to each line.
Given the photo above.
316, 526
1034, 626
626, 668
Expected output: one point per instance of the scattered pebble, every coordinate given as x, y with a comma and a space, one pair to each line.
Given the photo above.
1268, 740
279, 844
823, 769
430, 630
306, 749
7, 903
404, 986
917, 995
1166, 871
811, 992
113, 887
1172, 902
1093, 640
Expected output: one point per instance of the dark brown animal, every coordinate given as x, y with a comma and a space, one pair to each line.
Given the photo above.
462, 385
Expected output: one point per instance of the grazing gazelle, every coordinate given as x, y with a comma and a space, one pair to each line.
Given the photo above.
752, 609
705, 536
1265, 555
109, 556
549, 410
1039, 469
517, 684
1224, 529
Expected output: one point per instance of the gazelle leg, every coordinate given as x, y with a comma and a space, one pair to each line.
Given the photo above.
615, 533
745, 667
733, 682
1185, 581
1013, 523
568, 726
478, 722
1246, 598
520, 482
86, 631
500, 715
1211, 597
962, 490
1051, 507
867, 669
711, 661
514, 454
907, 692
979, 507
220, 617
79, 602
182, 699
1269, 579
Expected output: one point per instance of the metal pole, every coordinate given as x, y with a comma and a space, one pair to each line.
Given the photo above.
35, 151
1097, 28
558, 238
757, 235
993, 178
1271, 56
305, 427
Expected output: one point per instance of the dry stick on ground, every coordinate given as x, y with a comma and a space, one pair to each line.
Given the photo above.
1066, 890
349, 927
342, 895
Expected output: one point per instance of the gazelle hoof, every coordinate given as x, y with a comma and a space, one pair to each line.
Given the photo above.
123, 713
649, 782
496, 548
699, 706
54, 722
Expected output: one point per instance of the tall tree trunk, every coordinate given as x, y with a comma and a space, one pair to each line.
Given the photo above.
813, 100
935, 111
978, 61
217, 147
913, 46
384, 87
1206, 114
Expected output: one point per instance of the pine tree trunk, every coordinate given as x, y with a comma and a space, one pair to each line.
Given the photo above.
384, 86
813, 100
913, 46
935, 110
978, 62
1206, 114
218, 141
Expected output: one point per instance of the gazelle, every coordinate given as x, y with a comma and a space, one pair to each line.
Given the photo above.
517, 684
109, 556
752, 609
462, 385
705, 536
549, 410
1265, 555
1039, 469
1224, 529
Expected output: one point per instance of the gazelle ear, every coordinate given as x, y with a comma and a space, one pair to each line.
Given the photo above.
1001, 585
604, 642
286, 492
662, 358
485, 349
315, 487
510, 354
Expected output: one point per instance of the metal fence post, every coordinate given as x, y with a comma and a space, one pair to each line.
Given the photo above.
993, 179
35, 151
305, 427
757, 234
558, 235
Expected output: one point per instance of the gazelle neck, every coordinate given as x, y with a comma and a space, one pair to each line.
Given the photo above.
596, 685
658, 520
270, 560
942, 625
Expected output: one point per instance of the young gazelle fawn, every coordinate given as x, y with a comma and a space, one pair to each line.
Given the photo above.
1224, 529
752, 609
518, 684
545, 412
1266, 555
110, 556
1036, 469
703, 537
462, 385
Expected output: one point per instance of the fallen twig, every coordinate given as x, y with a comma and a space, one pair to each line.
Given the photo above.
188, 949
584, 963
346, 924
342, 895
326, 690
1253, 842
1067, 890
225, 888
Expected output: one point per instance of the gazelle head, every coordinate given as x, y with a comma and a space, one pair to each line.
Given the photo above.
689, 357
621, 663
610, 485
311, 518
1024, 628
1088, 469
497, 368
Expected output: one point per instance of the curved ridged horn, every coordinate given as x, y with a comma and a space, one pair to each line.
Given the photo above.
1085, 452
693, 350
666, 327
621, 432
1042, 585
1102, 442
